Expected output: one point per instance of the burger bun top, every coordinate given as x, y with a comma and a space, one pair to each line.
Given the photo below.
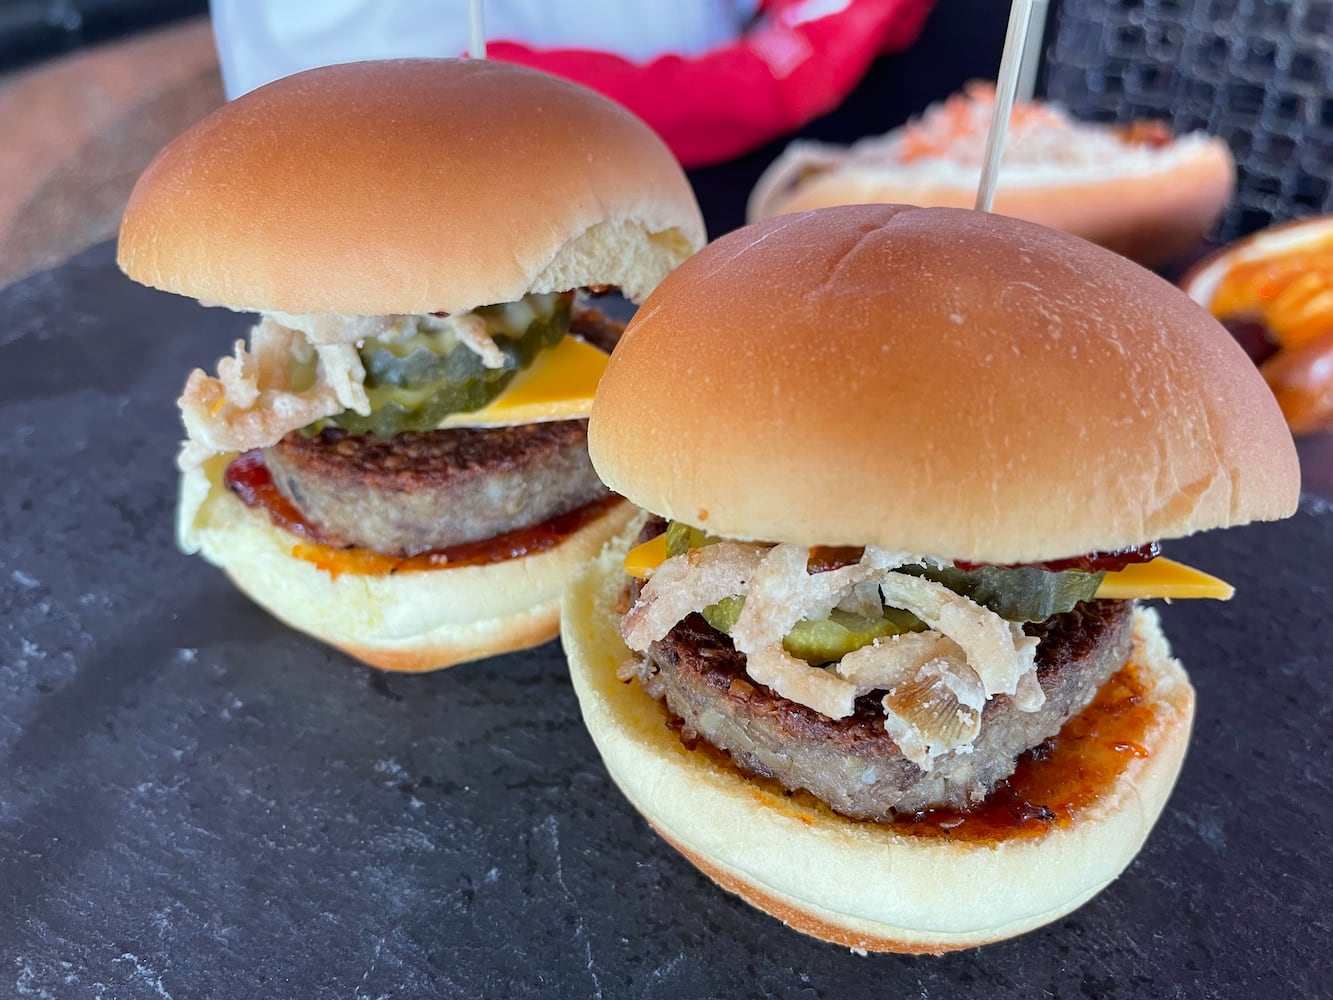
409, 186
940, 381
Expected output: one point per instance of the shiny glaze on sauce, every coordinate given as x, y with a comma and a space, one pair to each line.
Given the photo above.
248, 477
1057, 779
1052, 784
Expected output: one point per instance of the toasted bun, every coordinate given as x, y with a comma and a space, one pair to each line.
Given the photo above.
939, 381
863, 885
1151, 211
406, 621
407, 187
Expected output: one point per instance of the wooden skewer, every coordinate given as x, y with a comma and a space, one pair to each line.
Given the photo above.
1020, 17
1027, 76
476, 46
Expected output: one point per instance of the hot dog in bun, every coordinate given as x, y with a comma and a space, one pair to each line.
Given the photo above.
874, 662
1135, 189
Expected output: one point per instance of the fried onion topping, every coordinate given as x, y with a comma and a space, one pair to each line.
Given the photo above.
937, 682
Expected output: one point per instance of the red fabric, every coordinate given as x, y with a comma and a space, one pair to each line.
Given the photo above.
769, 82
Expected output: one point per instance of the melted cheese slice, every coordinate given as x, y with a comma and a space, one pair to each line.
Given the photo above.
558, 385
1159, 577
1162, 578
641, 560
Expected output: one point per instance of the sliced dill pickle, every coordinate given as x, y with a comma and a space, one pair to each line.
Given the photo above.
681, 538
722, 615
1019, 594
842, 632
415, 382
827, 639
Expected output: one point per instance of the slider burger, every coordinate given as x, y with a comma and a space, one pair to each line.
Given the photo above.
875, 663
396, 462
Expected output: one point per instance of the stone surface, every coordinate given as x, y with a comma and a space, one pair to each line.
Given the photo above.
196, 801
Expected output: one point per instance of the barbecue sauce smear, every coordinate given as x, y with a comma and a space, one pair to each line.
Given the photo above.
1057, 779
248, 477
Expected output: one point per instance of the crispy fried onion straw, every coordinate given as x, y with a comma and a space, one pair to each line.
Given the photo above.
296, 370
937, 681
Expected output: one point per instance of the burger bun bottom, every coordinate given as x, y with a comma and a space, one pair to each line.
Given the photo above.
412, 621
866, 886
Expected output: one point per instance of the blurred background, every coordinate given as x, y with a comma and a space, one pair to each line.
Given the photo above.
89, 89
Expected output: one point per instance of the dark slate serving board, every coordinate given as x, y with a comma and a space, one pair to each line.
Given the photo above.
195, 801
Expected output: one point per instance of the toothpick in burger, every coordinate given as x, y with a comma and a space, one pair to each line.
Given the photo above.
876, 662
396, 463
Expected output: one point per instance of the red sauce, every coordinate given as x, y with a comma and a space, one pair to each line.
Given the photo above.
827, 557
1091, 562
1059, 778
1146, 132
248, 477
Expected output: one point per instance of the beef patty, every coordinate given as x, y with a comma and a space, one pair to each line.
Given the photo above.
424, 490
853, 764
591, 324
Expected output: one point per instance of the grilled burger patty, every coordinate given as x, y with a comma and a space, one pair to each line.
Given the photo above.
853, 764
424, 490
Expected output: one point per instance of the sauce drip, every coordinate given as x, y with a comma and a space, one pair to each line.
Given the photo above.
828, 557
1057, 779
1090, 562
248, 477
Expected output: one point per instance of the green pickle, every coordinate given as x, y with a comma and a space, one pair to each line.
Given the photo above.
826, 639
722, 615
415, 382
1018, 594
680, 538
843, 632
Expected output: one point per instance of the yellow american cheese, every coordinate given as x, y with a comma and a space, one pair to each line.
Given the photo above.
1156, 578
558, 385
641, 560
1162, 578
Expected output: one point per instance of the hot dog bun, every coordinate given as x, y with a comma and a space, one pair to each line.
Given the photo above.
1138, 192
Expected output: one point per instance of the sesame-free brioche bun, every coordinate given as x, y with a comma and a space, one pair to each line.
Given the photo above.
402, 187
408, 621
936, 381
409, 186
876, 887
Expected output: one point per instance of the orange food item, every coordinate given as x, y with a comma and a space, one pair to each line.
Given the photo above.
1291, 293
1059, 778
248, 477
967, 115
1302, 380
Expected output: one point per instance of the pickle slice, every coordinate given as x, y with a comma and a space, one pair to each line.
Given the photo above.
824, 640
1018, 594
722, 615
842, 632
680, 538
413, 383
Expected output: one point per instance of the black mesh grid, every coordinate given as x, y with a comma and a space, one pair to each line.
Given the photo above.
1258, 74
